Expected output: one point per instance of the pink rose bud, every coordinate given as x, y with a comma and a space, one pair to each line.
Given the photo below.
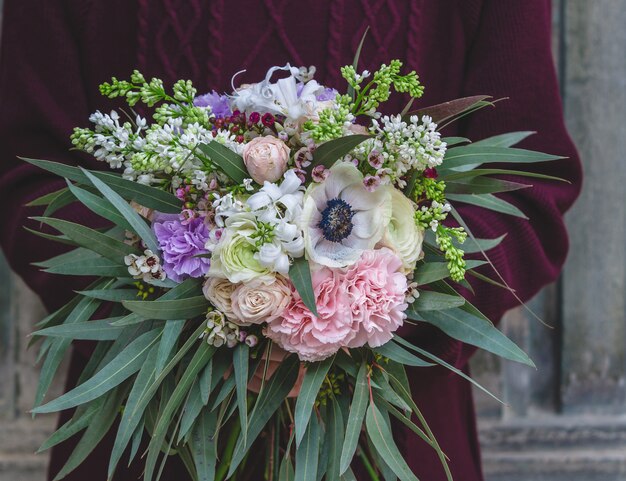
266, 158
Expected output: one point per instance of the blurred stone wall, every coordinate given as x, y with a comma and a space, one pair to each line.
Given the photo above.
564, 421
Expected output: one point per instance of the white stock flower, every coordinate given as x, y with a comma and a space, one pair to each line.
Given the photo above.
341, 218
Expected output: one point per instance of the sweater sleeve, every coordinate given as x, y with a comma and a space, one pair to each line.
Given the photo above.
41, 99
511, 58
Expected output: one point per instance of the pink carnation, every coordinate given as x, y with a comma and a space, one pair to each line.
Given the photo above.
363, 304
316, 338
377, 288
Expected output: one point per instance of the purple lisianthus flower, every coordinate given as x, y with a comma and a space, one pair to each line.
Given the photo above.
220, 104
180, 243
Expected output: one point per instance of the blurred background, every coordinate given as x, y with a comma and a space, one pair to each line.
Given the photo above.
567, 419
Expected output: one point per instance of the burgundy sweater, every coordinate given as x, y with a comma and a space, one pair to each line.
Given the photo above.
55, 53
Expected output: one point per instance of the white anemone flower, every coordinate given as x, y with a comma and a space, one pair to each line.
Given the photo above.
341, 218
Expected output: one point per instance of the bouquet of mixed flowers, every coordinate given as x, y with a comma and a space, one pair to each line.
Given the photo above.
262, 251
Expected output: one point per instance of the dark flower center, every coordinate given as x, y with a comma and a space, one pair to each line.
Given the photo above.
336, 223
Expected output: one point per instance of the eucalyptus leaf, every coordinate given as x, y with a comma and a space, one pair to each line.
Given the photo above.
173, 402
329, 152
46, 198
186, 308
428, 272
490, 202
97, 205
100, 330
434, 301
307, 453
398, 354
300, 275
151, 197
98, 266
204, 446
473, 330
482, 185
103, 244
228, 161
60, 201
241, 357
113, 295
470, 156
382, 440
270, 398
355, 419
128, 362
171, 332
313, 379
505, 140
137, 224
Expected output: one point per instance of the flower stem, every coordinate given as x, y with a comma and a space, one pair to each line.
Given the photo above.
368, 466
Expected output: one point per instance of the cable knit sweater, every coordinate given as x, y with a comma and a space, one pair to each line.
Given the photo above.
55, 53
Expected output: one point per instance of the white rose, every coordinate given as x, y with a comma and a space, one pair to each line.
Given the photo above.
219, 292
261, 300
402, 235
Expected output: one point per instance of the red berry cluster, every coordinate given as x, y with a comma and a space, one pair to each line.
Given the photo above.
238, 123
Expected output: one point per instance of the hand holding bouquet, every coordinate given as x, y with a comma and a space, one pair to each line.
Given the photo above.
264, 248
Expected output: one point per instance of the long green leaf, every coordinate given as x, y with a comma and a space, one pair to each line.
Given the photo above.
383, 442
355, 62
329, 152
99, 206
98, 266
112, 295
505, 140
151, 197
80, 253
103, 244
335, 430
83, 310
434, 271
435, 301
300, 275
355, 419
60, 201
445, 364
490, 202
482, 185
398, 354
169, 309
270, 398
191, 410
128, 362
95, 432
470, 156
307, 454
73, 426
46, 199
313, 379
241, 357
197, 363
137, 224
228, 161
452, 175
473, 330
204, 446
171, 333
100, 330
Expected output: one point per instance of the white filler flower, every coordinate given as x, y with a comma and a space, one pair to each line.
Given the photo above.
341, 218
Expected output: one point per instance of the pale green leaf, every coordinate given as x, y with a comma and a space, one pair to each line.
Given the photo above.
231, 163
355, 419
435, 301
488, 201
329, 152
300, 275
307, 453
313, 379
398, 354
169, 309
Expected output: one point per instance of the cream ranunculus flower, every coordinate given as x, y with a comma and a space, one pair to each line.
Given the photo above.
261, 300
219, 292
402, 235
341, 218
233, 258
